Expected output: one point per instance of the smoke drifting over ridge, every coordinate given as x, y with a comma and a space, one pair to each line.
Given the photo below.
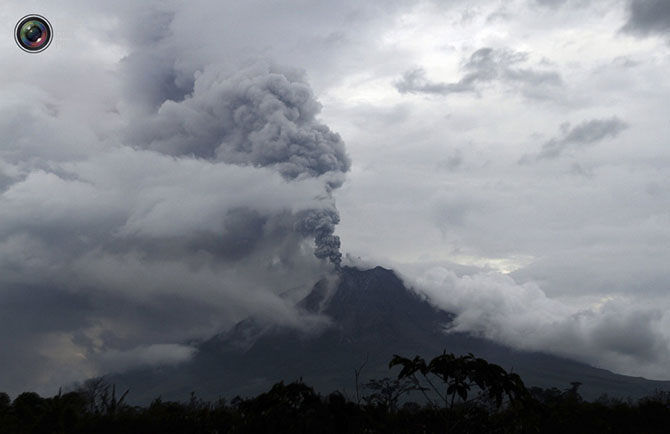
128, 227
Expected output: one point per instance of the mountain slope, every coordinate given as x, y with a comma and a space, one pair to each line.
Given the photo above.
373, 317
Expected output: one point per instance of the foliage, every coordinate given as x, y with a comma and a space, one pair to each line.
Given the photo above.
387, 392
501, 405
459, 375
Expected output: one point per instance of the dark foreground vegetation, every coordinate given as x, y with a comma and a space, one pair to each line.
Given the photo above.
449, 394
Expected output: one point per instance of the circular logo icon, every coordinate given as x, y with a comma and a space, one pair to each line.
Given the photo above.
33, 33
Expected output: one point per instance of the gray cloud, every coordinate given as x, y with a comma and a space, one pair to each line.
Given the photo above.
136, 257
262, 116
485, 65
615, 332
415, 81
648, 16
550, 3
592, 243
150, 355
154, 205
584, 134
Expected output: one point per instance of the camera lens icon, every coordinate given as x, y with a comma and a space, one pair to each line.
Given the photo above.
33, 33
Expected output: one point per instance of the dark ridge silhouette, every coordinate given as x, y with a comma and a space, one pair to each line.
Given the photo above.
374, 316
469, 395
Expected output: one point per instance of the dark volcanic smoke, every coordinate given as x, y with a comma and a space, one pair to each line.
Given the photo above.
261, 116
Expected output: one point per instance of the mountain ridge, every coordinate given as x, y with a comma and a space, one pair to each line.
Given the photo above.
373, 316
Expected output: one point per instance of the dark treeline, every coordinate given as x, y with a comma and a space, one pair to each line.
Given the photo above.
452, 395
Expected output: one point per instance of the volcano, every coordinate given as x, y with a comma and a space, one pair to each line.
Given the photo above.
372, 316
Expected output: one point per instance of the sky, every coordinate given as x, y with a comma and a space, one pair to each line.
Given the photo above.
168, 168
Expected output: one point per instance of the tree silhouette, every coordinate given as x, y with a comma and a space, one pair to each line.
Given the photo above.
458, 376
387, 392
475, 396
100, 396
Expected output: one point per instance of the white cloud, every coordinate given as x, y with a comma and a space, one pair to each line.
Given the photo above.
618, 333
150, 355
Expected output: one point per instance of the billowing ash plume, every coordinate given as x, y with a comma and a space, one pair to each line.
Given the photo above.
321, 223
155, 204
261, 116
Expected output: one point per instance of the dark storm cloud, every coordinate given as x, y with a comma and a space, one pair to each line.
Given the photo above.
648, 16
157, 204
583, 134
484, 66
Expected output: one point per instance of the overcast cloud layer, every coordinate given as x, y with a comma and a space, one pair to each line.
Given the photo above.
168, 168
